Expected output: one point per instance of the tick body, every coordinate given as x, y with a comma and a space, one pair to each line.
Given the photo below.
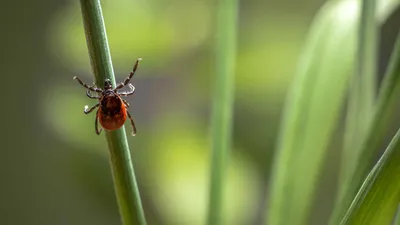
112, 110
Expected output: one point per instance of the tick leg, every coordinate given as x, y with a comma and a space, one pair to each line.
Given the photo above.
86, 86
126, 103
126, 81
132, 123
90, 95
86, 111
130, 92
96, 125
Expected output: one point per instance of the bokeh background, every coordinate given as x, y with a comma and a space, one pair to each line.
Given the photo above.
54, 169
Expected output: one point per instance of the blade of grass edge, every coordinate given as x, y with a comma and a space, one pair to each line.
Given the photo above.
227, 17
378, 198
362, 91
280, 181
387, 99
125, 184
396, 220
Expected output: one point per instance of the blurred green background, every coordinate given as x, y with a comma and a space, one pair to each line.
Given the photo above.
55, 169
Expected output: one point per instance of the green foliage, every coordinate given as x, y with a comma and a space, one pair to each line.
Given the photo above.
312, 114
314, 105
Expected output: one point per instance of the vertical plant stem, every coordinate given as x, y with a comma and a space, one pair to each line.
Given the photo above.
126, 188
222, 105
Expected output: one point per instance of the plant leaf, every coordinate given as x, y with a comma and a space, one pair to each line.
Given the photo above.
311, 112
378, 198
387, 101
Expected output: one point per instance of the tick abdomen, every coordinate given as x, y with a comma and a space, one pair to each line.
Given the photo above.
112, 114
112, 122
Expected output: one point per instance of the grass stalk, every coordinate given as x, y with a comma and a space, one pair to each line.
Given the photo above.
222, 105
126, 188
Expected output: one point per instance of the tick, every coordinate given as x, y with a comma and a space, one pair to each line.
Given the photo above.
112, 109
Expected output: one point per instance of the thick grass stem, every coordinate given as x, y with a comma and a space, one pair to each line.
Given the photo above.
126, 188
222, 105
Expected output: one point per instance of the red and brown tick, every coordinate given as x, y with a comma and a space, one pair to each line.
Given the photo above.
112, 111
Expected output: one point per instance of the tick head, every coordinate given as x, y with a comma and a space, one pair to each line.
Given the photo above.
107, 84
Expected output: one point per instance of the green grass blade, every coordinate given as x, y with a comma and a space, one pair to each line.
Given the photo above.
312, 109
222, 104
378, 199
387, 101
362, 92
124, 177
